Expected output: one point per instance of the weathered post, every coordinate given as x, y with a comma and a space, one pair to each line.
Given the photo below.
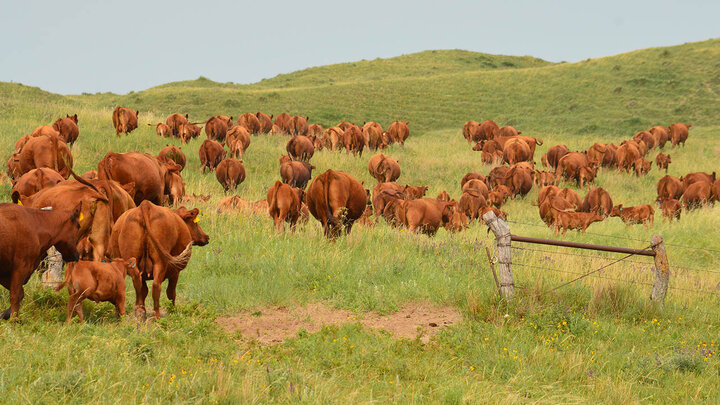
502, 252
662, 271
53, 276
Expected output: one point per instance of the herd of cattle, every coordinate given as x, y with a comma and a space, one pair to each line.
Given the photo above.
126, 219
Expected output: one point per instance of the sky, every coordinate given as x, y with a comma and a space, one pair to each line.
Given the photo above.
71, 47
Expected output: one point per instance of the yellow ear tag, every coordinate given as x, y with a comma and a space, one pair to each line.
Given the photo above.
80, 218
196, 220
19, 202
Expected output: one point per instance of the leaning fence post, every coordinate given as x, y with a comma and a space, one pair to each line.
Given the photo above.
53, 276
662, 271
502, 251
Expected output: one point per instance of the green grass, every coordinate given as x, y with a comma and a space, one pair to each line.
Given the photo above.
597, 340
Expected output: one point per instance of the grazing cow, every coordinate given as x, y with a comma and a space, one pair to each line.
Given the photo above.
162, 129
216, 129
237, 140
571, 196
174, 121
232, 203
553, 155
597, 199
284, 122
697, 195
626, 154
265, 120
547, 192
189, 131
336, 199
284, 205
43, 151
477, 185
68, 128
314, 130
424, 215
443, 196
645, 137
697, 177
574, 220
124, 120
172, 153
299, 125
414, 192
716, 190
99, 282
586, 175
596, 153
509, 131
569, 165
642, 166
473, 175
671, 209
458, 222
296, 173
399, 132
34, 181
498, 196
161, 239
641, 146
25, 236
383, 168
353, 140
372, 131
230, 173
516, 151
660, 134
550, 205
669, 187
610, 157
469, 131
251, 122
531, 142
211, 154
485, 131
470, 203
662, 161
519, 180
154, 180
345, 125
678, 133
641, 214
333, 138
543, 178
300, 148
383, 193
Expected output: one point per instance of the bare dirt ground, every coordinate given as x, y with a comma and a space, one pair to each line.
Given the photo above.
275, 324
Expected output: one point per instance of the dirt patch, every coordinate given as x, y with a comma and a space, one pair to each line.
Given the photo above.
275, 324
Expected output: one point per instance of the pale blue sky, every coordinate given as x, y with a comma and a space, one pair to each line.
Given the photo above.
73, 46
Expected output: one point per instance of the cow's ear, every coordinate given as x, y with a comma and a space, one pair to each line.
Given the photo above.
186, 116
407, 122
74, 117
137, 112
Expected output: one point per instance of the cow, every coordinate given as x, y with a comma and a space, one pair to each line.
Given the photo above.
531, 142
300, 148
457, 223
237, 140
626, 154
697, 195
569, 165
399, 132
470, 203
383, 193
189, 131
610, 157
383, 168
333, 138
498, 196
34, 181
547, 192
670, 209
696, 177
250, 122
265, 121
645, 137
284, 122
25, 236
570, 196
669, 187
99, 282
443, 196
516, 151
519, 180
353, 140
642, 166
662, 161
372, 131
296, 173
716, 190
596, 153
492, 152
216, 129
314, 130
68, 128
574, 220
508, 131
46, 130
477, 185
161, 239
336, 199
232, 203
284, 205
171, 153
641, 214
678, 133
543, 178
586, 175
43, 151
550, 205
414, 192
211, 154
162, 129
473, 175
174, 121
299, 125
487, 130
345, 125
469, 131
124, 120
597, 199
660, 134
230, 173
154, 180
424, 215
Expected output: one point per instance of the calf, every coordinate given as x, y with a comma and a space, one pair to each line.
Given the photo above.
574, 220
284, 205
99, 282
458, 222
641, 214
662, 161
671, 209
697, 195
642, 166
414, 192
230, 173
543, 178
586, 175
443, 196
211, 154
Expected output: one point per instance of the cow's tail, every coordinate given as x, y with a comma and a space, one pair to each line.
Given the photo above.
330, 175
68, 270
178, 262
538, 141
272, 198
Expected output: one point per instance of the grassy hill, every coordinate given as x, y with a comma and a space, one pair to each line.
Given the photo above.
598, 340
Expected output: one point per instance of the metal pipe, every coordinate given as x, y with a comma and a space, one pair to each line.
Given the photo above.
578, 245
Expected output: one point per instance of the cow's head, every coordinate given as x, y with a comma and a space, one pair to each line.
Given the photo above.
174, 185
68, 233
72, 117
192, 220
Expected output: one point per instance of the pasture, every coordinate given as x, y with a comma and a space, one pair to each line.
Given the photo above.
597, 340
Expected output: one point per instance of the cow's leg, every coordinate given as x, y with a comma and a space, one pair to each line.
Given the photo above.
5, 282
140, 298
158, 278
172, 288
17, 292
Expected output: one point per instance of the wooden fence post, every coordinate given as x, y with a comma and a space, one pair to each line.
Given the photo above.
662, 271
502, 252
53, 276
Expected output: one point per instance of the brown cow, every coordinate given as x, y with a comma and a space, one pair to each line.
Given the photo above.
492, 152
232, 203
543, 178
469, 131
470, 203
641, 214
553, 155
597, 199
250, 122
300, 148
34, 181
174, 121
509, 131
43, 151
211, 154
645, 137
171, 153
216, 129
265, 120
457, 223
124, 120
299, 125
25, 236
473, 175
642, 166
345, 125
662, 161
161, 239
46, 130
284, 205
571, 196
716, 190
314, 130
531, 142
569, 165
641, 146
596, 153
353, 140
586, 175
336, 199
296, 174
443, 196
237, 140
99, 282
678, 133
610, 157
669, 187
399, 132
68, 128
477, 185
284, 122
498, 196
660, 134
519, 180
414, 192
333, 138
384, 168
162, 129
671, 209
485, 131
230, 173
516, 151
383, 193
697, 195
547, 192
372, 131
424, 215
696, 177
189, 131
626, 154
574, 220
550, 205
154, 180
